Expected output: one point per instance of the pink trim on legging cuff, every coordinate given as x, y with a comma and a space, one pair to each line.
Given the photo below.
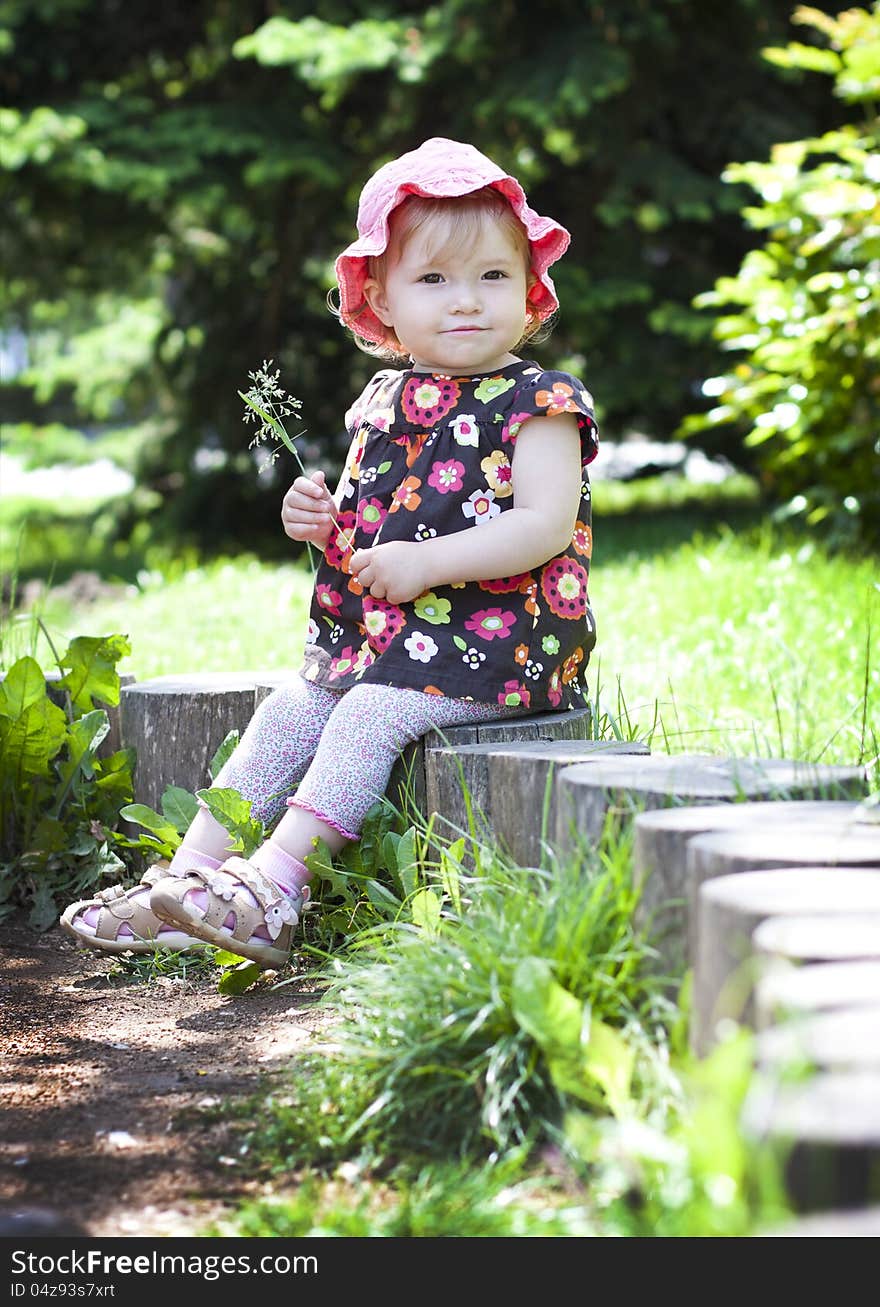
328, 821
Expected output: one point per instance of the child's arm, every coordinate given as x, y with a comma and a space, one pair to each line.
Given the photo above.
546, 478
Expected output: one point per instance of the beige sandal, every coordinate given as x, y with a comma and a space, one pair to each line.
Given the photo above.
125, 921
236, 907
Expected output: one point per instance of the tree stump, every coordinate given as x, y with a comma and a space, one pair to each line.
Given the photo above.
508, 790
829, 842
826, 1133
660, 841
847, 1040
804, 939
787, 991
620, 788
177, 723
853, 1224
729, 908
411, 772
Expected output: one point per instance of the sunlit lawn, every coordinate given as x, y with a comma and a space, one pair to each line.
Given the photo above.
732, 638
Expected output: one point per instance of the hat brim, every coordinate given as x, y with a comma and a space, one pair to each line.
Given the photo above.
548, 241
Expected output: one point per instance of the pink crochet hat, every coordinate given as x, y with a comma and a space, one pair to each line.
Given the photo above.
438, 168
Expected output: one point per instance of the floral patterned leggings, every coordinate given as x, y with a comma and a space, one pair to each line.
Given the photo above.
337, 747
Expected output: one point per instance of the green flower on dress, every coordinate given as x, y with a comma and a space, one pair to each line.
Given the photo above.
550, 645
430, 608
492, 387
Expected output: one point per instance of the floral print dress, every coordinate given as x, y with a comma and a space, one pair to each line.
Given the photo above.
430, 455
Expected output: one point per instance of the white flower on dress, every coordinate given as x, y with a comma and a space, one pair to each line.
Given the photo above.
335, 633
465, 430
421, 648
473, 658
533, 670
481, 506
425, 532
312, 631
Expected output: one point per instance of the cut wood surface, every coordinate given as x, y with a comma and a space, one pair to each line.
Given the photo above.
624, 787
509, 788
729, 908
787, 990
660, 841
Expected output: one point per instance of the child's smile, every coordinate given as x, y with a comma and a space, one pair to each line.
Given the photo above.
459, 310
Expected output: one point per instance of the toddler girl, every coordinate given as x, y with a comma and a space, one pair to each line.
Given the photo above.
453, 586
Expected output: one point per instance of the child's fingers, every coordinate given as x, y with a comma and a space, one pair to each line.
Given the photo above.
359, 560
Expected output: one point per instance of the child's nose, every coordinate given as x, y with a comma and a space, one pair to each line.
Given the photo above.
466, 299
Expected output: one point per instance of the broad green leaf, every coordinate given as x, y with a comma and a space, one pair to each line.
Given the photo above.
83, 738
233, 812
224, 751
179, 807
425, 909
381, 897
239, 978
23, 686
92, 662
544, 1009
141, 815
408, 862
29, 742
610, 1061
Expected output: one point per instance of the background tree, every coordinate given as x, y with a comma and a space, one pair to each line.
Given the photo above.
180, 177
806, 315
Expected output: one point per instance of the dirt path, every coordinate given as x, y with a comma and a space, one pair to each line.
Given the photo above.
105, 1083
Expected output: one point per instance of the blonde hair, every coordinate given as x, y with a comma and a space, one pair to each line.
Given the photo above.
452, 223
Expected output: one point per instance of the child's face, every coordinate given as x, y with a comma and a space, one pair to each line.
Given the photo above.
459, 312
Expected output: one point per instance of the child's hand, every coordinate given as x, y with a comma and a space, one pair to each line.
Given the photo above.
395, 572
306, 510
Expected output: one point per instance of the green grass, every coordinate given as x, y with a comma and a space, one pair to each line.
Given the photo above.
735, 634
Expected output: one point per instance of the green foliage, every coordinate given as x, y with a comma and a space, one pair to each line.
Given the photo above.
807, 315
167, 225
469, 1028
59, 797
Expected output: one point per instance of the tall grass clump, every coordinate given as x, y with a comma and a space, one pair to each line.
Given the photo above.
471, 1034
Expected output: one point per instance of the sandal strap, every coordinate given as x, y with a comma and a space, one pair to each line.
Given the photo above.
277, 911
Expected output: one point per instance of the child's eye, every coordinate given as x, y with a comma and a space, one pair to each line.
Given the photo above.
431, 278
495, 274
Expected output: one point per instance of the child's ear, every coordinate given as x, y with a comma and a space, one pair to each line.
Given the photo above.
374, 294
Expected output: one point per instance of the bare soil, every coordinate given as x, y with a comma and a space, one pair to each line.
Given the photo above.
110, 1089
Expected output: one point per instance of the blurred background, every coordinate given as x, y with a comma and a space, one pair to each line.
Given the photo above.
178, 180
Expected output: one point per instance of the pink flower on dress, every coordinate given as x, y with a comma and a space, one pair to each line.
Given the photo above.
371, 515
340, 546
515, 695
427, 399
564, 586
382, 622
490, 623
343, 664
503, 585
554, 691
511, 430
328, 598
447, 476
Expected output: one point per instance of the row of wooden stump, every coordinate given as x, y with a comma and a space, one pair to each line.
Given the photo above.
761, 876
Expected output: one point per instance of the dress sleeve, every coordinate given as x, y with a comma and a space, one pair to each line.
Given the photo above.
355, 414
549, 393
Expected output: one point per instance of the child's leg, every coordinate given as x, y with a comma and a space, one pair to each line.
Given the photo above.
359, 745
352, 766
271, 757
